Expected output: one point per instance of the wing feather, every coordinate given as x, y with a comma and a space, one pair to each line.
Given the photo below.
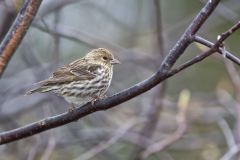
74, 72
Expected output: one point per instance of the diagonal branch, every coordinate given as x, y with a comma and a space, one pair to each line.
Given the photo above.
181, 118
185, 39
106, 144
209, 44
215, 47
17, 32
125, 95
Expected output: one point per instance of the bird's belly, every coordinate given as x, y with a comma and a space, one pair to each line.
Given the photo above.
83, 93
77, 100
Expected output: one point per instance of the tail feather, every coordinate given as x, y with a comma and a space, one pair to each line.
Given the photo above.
44, 86
39, 89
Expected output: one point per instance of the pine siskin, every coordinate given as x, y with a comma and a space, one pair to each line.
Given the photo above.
86, 79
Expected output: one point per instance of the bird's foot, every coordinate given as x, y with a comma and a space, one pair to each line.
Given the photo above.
104, 96
95, 98
93, 101
71, 108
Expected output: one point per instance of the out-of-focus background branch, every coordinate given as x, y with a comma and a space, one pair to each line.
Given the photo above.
140, 33
152, 114
17, 31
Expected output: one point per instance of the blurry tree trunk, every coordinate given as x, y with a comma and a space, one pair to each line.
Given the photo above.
153, 113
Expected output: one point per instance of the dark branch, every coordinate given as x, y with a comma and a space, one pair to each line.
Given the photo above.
127, 94
220, 50
185, 39
17, 32
215, 47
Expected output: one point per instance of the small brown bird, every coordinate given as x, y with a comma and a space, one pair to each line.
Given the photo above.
84, 80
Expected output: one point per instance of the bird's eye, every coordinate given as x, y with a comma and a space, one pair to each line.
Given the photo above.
105, 58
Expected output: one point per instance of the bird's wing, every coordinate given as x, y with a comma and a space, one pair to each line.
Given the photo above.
80, 69
87, 72
75, 71
84, 69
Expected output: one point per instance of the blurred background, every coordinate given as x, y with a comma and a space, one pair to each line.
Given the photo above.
196, 112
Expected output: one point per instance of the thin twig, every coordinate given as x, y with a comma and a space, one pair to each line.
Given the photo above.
204, 55
50, 148
183, 105
51, 6
227, 133
34, 149
17, 32
93, 42
186, 38
235, 79
209, 44
234, 148
104, 145
51, 140
231, 152
56, 50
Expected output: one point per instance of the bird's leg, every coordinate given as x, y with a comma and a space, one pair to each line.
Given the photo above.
103, 96
71, 108
94, 99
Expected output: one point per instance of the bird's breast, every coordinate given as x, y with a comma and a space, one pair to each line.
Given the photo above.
79, 91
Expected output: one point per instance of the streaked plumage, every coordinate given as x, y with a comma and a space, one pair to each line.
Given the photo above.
83, 80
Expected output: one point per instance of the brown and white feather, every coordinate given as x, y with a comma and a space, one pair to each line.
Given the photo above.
82, 80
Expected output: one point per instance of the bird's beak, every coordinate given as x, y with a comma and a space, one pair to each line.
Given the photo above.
115, 61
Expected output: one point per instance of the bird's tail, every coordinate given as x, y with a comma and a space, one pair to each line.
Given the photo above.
43, 86
41, 89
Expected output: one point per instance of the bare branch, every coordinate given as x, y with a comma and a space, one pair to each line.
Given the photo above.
183, 105
51, 6
227, 132
104, 145
125, 95
185, 39
17, 32
234, 148
235, 79
50, 148
209, 44
231, 152
93, 42
204, 55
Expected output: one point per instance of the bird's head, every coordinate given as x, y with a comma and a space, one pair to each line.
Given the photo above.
102, 56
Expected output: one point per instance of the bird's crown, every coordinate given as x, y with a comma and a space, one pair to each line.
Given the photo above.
100, 53
101, 56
